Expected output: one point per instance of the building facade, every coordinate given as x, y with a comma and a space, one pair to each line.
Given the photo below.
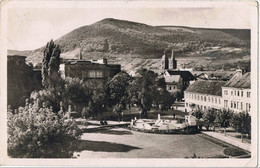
236, 93
204, 95
233, 95
95, 70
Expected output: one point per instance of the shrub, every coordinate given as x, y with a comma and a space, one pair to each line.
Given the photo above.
230, 151
36, 132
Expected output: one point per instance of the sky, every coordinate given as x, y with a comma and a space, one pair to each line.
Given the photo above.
31, 28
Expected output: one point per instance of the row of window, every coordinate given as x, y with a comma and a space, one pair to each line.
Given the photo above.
199, 107
204, 98
237, 105
92, 74
237, 93
172, 87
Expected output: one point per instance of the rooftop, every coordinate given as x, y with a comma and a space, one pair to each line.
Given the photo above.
239, 81
186, 75
207, 87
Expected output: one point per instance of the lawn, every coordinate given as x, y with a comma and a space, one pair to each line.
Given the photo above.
122, 143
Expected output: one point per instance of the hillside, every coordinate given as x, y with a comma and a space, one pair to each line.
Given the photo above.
117, 39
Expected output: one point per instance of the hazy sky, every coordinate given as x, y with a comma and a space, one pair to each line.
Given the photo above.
31, 28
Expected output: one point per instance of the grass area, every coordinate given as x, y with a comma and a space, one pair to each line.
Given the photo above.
230, 151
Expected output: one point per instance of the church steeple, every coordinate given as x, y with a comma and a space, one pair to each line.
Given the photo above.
165, 61
172, 61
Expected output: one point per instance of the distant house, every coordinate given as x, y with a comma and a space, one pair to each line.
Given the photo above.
237, 92
204, 95
89, 70
176, 80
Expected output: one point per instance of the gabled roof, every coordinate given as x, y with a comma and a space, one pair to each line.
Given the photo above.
207, 87
239, 81
171, 79
185, 75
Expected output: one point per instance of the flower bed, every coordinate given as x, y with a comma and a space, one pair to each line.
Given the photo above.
188, 130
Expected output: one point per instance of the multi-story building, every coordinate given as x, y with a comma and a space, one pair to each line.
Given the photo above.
97, 71
236, 93
204, 95
233, 95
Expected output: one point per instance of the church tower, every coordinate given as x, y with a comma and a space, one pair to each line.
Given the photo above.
172, 62
165, 61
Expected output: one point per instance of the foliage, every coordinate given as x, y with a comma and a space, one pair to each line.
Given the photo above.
198, 114
241, 122
177, 95
209, 116
118, 88
167, 99
37, 132
50, 64
76, 93
21, 81
143, 90
223, 117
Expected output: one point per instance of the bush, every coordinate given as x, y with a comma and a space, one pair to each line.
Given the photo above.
36, 132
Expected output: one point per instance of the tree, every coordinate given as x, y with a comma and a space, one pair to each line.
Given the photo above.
50, 64
223, 117
37, 132
143, 90
209, 116
198, 114
76, 93
242, 123
167, 99
177, 95
118, 89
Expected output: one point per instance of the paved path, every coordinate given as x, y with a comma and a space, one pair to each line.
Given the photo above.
231, 140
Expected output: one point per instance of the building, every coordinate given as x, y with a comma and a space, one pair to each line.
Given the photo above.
204, 95
176, 79
89, 70
236, 93
233, 95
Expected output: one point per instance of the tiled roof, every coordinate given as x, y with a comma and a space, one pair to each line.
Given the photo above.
207, 87
239, 81
171, 79
186, 75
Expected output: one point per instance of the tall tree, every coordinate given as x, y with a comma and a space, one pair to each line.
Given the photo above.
50, 64
242, 123
223, 117
143, 90
209, 116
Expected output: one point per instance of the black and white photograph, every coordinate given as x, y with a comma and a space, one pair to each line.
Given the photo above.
129, 83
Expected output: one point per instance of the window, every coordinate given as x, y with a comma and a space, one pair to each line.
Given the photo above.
241, 93
216, 101
205, 99
219, 102
235, 105
248, 94
170, 88
231, 105
241, 106
225, 92
91, 74
231, 92
237, 93
209, 99
99, 74
201, 98
173, 87
225, 103
212, 100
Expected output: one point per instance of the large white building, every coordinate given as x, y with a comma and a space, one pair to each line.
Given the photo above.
236, 93
233, 95
204, 95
